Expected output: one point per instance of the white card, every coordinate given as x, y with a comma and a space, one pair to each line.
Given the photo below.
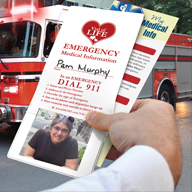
83, 73
154, 32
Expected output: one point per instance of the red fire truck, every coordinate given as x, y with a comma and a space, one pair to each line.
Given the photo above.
171, 78
25, 43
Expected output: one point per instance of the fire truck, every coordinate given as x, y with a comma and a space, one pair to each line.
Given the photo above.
26, 39
171, 78
26, 42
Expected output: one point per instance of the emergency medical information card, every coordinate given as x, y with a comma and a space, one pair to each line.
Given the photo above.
83, 73
153, 35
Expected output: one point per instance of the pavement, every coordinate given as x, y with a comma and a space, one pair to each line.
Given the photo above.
21, 177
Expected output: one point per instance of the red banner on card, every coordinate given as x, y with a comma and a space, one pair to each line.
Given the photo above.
131, 78
122, 100
144, 49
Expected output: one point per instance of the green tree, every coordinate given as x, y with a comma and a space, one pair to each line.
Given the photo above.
178, 8
81, 152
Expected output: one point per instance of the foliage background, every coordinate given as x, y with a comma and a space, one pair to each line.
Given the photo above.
178, 8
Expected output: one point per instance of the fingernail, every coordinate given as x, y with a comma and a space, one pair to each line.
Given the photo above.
90, 115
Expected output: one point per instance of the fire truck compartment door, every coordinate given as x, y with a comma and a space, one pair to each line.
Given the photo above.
184, 72
169, 59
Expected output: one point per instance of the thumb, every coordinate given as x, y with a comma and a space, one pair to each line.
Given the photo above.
99, 121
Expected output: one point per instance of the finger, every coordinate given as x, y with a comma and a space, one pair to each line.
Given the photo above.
99, 121
138, 104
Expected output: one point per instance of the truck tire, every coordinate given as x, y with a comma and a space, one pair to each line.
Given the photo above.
165, 94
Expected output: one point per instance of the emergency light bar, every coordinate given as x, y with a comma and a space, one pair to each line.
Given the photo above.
23, 9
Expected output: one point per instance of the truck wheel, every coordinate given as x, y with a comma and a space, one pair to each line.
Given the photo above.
165, 94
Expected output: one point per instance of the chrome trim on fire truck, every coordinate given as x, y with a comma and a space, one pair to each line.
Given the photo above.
181, 34
26, 78
17, 112
178, 46
29, 76
158, 89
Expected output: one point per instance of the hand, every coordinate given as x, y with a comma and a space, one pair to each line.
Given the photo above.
150, 123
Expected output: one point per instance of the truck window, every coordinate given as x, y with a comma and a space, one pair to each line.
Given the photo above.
52, 31
19, 39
